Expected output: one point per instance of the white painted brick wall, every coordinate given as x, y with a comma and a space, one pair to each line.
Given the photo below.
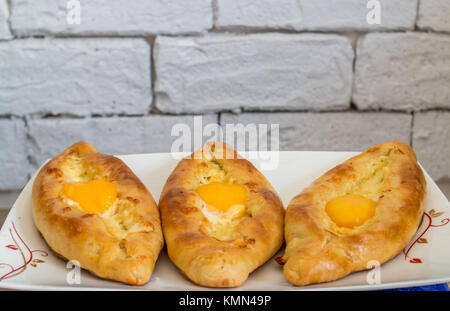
5, 32
75, 76
431, 140
402, 71
280, 14
14, 165
335, 131
115, 135
318, 15
434, 15
112, 17
93, 82
270, 71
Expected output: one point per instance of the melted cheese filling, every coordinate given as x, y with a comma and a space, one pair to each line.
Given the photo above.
94, 197
351, 210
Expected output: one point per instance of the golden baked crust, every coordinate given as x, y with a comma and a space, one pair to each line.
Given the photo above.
319, 251
219, 255
122, 245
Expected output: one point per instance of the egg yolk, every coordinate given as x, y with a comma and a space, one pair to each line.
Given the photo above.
94, 197
350, 210
223, 197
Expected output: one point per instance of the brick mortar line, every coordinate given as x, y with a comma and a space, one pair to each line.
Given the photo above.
74, 117
29, 144
247, 30
352, 109
416, 27
151, 43
215, 13
153, 108
336, 111
411, 131
193, 36
9, 5
430, 30
106, 36
237, 32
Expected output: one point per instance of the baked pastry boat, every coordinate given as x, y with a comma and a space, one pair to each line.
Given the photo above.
221, 218
90, 207
363, 211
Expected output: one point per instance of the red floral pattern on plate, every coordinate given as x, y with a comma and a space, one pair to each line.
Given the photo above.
24, 251
429, 216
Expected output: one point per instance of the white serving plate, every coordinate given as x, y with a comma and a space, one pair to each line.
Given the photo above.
27, 263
